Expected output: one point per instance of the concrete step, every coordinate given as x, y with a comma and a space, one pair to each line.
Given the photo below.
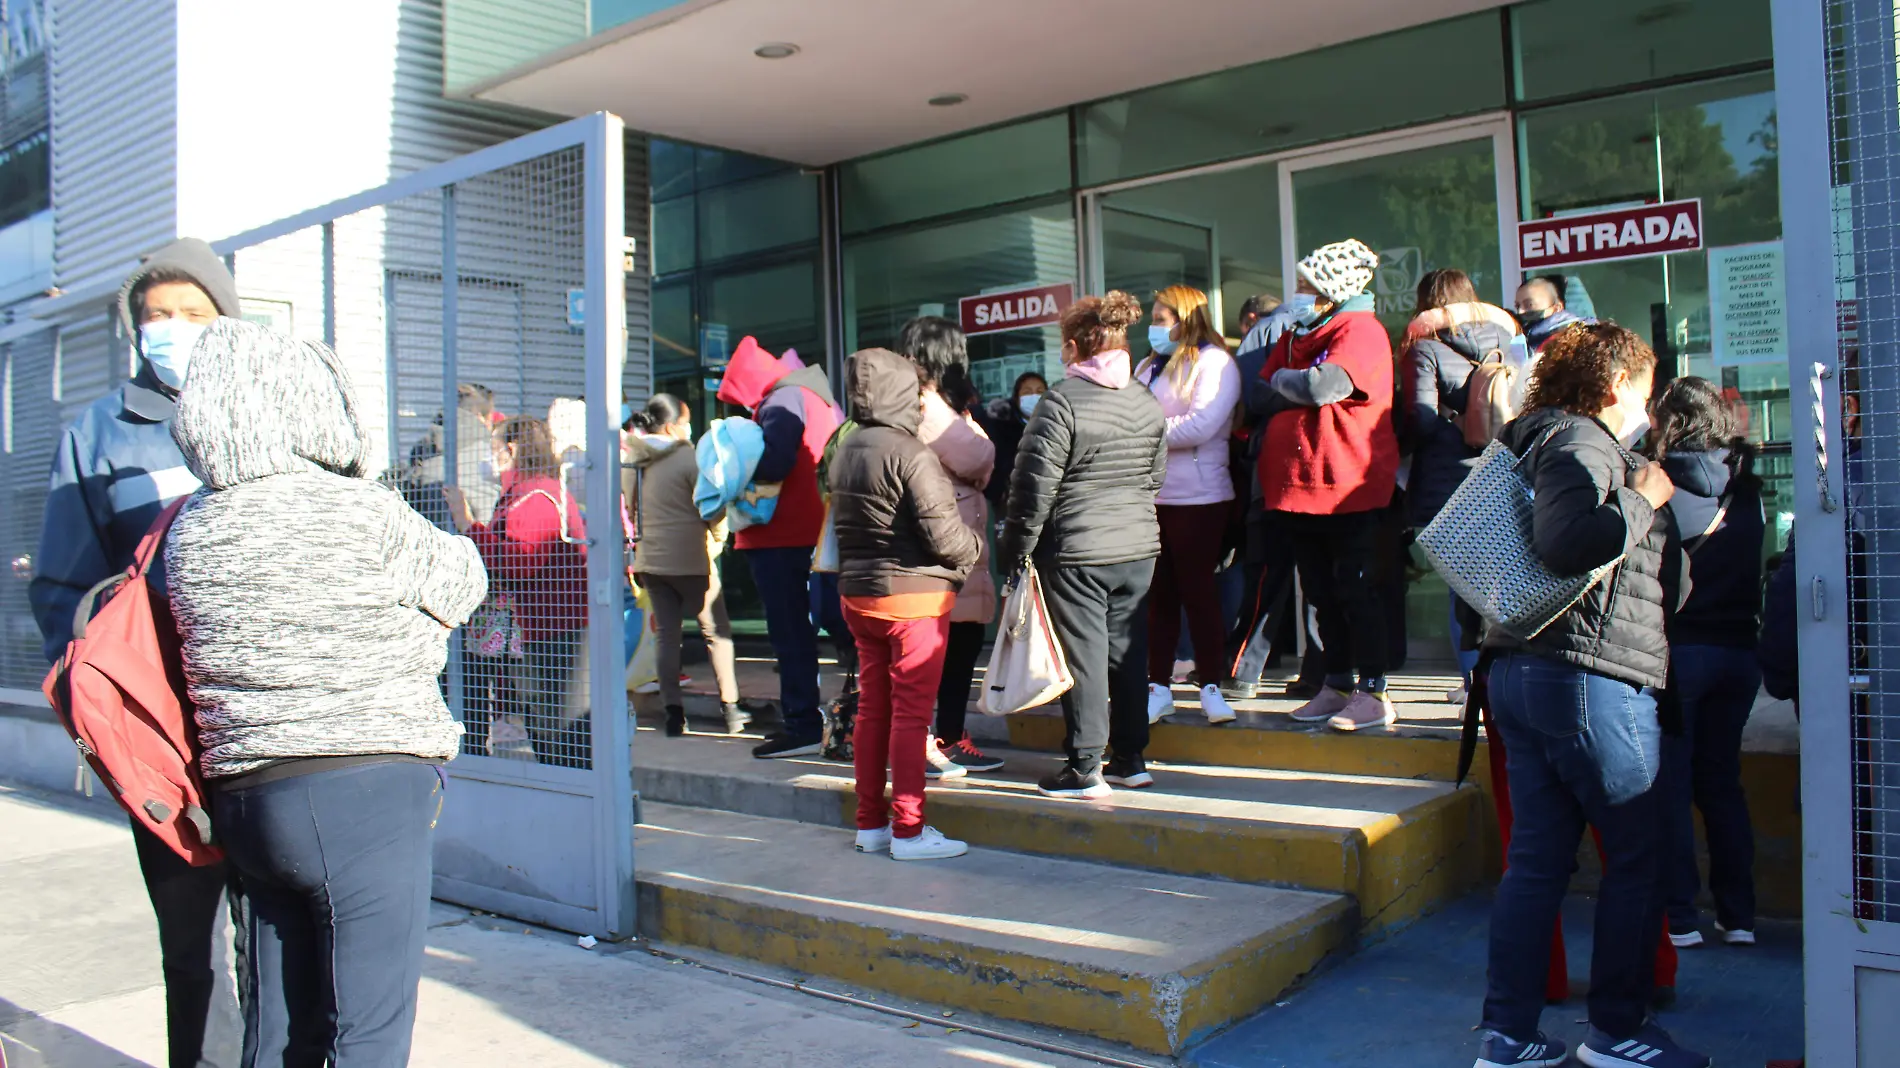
1398, 847
1156, 961
1422, 745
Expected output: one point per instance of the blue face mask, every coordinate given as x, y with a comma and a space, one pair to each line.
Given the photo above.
1027, 403
1305, 308
1159, 340
167, 347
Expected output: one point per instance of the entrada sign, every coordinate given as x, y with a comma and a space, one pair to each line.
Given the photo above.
1621, 234
1014, 309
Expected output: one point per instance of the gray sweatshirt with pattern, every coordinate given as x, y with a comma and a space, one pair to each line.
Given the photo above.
314, 604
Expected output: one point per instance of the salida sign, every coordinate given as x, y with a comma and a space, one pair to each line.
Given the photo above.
1621, 234
1014, 309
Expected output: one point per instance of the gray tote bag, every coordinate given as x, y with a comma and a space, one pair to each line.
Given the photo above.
1480, 542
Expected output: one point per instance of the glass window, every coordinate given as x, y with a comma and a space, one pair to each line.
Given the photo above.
1015, 162
756, 215
1421, 210
1436, 71
1217, 232
674, 243
1716, 141
719, 167
26, 176
778, 305
1653, 39
891, 278
669, 167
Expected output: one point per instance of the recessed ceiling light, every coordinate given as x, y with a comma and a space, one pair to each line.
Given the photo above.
948, 100
779, 50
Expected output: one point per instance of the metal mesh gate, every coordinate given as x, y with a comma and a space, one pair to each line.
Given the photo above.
480, 308
1838, 103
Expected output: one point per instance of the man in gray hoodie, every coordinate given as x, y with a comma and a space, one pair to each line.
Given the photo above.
116, 469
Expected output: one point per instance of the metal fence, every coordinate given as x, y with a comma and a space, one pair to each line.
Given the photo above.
1839, 113
481, 308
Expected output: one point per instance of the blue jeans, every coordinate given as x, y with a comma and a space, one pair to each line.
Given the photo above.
1703, 768
783, 578
1581, 749
1467, 658
336, 867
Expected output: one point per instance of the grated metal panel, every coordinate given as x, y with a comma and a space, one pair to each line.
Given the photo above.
1865, 124
34, 419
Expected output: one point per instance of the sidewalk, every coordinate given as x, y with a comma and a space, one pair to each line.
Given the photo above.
80, 986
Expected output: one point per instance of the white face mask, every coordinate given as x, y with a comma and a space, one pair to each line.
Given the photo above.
1635, 419
1303, 305
166, 345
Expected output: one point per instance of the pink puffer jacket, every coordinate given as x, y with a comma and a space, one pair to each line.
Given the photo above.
967, 456
1200, 414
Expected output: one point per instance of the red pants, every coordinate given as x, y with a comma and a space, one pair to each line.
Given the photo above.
1191, 536
900, 663
1557, 982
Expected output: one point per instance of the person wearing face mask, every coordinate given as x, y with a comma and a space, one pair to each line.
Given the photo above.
115, 470
1191, 374
1575, 709
1540, 307
1003, 420
1328, 470
674, 553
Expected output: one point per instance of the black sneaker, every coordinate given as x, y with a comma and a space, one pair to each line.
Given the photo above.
1649, 1048
781, 744
967, 756
1129, 772
1071, 783
737, 719
1302, 690
675, 721
1535, 1052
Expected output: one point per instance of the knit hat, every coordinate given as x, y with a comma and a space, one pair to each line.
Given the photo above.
1341, 270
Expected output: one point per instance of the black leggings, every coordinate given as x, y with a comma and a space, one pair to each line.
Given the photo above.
959, 669
1336, 558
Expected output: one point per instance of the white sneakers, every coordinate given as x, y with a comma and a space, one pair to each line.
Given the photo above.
1457, 696
940, 766
1160, 702
1736, 938
1686, 940
1212, 704
930, 844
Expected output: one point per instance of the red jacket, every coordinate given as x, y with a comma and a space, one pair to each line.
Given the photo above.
1336, 458
527, 558
797, 415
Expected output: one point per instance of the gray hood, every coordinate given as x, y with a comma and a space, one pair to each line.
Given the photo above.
258, 404
192, 258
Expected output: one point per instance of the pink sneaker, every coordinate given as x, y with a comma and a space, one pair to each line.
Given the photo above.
1328, 704
1365, 710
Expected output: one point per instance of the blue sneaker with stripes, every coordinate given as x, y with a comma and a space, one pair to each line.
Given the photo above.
1649, 1048
1499, 1051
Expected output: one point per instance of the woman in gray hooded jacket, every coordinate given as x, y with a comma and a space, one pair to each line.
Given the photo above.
314, 607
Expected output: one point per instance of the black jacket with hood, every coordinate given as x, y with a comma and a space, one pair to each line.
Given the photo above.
1585, 515
892, 505
116, 466
1437, 379
1724, 608
1082, 493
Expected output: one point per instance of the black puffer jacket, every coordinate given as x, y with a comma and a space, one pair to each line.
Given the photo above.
1586, 514
1082, 493
1437, 374
1725, 608
894, 509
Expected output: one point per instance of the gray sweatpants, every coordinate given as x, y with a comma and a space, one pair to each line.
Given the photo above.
672, 596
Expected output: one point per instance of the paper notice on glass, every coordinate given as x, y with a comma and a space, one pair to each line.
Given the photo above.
1748, 307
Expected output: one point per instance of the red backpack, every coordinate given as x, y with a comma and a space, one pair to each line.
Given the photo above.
120, 692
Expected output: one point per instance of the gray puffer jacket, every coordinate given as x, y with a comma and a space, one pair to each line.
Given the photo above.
1437, 382
1082, 495
314, 605
1585, 515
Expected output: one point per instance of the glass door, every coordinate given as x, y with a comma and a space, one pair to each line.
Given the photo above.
1425, 201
